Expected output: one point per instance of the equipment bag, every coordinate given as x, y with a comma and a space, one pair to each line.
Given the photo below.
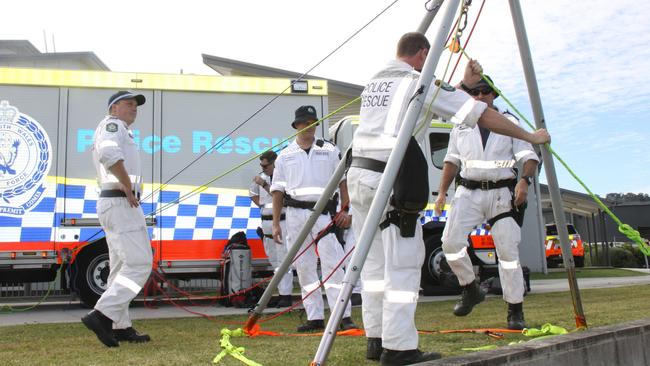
237, 274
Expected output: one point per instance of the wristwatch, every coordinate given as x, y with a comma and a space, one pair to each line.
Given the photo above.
528, 180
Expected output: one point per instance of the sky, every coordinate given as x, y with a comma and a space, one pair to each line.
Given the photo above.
591, 57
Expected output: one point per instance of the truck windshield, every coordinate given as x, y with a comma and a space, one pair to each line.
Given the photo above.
552, 229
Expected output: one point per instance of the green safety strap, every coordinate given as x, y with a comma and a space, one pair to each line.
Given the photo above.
625, 229
547, 329
228, 349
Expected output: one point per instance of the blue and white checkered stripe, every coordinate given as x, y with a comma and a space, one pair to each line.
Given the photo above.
205, 215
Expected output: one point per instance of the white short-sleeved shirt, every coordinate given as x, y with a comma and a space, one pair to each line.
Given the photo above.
113, 141
304, 176
495, 161
265, 198
384, 103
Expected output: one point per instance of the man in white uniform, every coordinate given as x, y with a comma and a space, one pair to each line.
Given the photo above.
391, 272
302, 171
260, 194
117, 163
485, 193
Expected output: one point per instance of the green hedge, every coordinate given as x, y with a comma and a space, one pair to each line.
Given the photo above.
625, 256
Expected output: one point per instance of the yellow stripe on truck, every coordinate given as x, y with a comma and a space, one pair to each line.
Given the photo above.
125, 80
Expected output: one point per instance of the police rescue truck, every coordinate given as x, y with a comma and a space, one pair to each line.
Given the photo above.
437, 277
48, 190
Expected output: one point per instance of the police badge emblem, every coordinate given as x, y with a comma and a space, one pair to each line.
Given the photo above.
25, 160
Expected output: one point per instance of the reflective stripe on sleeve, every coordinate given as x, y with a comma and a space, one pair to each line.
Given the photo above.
509, 264
311, 286
401, 297
463, 112
107, 143
456, 256
333, 285
373, 286
524, 153
134, 287
489, 164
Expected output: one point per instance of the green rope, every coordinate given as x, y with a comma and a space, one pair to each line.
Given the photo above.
625, 229
228, 349
204, 186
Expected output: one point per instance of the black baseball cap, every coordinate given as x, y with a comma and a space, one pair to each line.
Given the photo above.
303, 114
484, 84
123, 94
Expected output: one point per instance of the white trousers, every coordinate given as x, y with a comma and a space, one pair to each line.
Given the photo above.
473, 207
330, 253
276, 253
391, 274
129, 255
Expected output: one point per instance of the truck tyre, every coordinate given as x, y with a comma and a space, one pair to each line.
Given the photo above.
437, 277
92, 272
579, 261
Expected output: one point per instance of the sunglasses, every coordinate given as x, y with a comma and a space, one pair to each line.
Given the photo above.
264, 166
476, 92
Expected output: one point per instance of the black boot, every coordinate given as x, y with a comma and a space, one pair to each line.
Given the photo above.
284, 301
311, 326
102, 326
130, 335
273, 302
373, 349
399, 358
472, 295
355, 299
347, 324
516, 316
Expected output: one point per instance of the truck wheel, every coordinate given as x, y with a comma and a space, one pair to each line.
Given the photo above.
437, 277
579, 261
92, 272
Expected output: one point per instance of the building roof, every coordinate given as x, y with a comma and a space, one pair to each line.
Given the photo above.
572, 201
24, 52
225, 66
17, 47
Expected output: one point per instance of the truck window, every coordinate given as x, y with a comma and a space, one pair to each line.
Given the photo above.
552, 229
438, 143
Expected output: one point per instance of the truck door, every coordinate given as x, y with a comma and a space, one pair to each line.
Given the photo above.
85, 108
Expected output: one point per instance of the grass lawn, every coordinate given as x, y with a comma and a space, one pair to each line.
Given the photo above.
195, 341
587, 273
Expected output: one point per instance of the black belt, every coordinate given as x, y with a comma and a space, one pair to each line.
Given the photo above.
268, 236
107, 193
308, 205
270, 217
368, 164
486, 185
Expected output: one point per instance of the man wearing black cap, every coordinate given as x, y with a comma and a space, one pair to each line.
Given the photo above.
302, 170
488, 190
117, 163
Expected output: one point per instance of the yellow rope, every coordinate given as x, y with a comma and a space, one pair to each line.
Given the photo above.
228, 349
